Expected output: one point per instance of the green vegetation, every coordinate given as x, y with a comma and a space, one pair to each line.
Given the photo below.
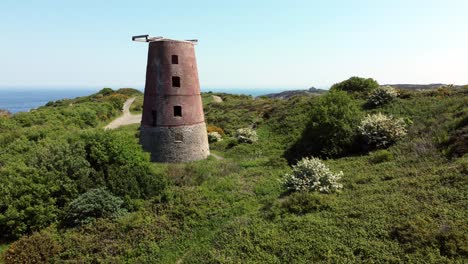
91, 205
331, 129
402, 204
356, 86
380, 131
311, 174
381, 95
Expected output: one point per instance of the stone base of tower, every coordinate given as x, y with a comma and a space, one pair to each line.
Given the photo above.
175, 144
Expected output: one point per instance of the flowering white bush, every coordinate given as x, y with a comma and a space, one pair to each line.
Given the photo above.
214, 137
311, 174
246, 135
380, 130
382, 95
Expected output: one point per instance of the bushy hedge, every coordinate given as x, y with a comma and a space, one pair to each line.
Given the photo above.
331, 131
379, 130
38, 183
311, 174
382, 95
91, 205
37, 248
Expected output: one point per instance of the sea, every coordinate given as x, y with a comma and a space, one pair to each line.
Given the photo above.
22, 99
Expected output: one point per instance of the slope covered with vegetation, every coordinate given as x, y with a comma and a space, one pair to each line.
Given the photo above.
73, 192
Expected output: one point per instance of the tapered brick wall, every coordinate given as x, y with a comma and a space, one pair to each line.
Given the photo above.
173, 126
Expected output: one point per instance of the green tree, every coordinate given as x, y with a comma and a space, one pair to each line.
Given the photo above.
356, 85
331, 131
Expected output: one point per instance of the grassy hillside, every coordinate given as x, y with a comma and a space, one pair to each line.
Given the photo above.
405, 203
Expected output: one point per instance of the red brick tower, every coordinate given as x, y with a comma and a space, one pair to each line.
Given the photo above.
173, 126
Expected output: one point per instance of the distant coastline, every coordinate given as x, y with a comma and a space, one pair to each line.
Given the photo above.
23, 99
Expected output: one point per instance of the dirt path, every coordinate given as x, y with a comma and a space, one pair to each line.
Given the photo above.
127, 118
216, 156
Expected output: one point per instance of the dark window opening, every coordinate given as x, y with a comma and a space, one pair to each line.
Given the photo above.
175, 59
178, 110
178, 137
155, 116
175, 81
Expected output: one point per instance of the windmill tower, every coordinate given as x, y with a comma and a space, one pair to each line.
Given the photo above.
173, 125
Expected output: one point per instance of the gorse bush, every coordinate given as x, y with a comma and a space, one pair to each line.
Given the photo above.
382, 95
91, 205
37, 248
331, 130
36, 186
214, 137
356, 85
311, 174
379, 130
246, 135
219, 130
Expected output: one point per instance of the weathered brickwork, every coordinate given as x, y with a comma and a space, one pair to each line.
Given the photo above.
176, 144
173, 125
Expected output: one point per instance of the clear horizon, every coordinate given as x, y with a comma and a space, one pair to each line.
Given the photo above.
242, 44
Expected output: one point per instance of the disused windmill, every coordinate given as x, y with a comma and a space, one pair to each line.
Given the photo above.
173, 125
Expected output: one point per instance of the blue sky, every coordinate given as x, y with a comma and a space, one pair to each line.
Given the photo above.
242, 44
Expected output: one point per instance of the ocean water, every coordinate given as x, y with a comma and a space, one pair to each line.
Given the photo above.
24, 99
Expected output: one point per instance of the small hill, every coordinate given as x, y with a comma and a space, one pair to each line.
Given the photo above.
288, 94
423, 86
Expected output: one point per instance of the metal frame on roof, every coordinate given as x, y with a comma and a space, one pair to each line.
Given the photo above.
147, 38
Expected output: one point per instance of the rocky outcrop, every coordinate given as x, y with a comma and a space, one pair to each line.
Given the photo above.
4, 113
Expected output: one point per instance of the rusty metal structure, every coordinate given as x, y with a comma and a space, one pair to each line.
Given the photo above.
173, 125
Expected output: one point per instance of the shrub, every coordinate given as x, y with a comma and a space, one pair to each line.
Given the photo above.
356, 85
311, 174
406, 94
37, 248
246, 135
214, 137
231, 142
34, 191
382, 95
331, 131
301, 203
210, 129
91, 205
116, 100
380, 156
442, 91
118, 162
105, 91
379, 130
